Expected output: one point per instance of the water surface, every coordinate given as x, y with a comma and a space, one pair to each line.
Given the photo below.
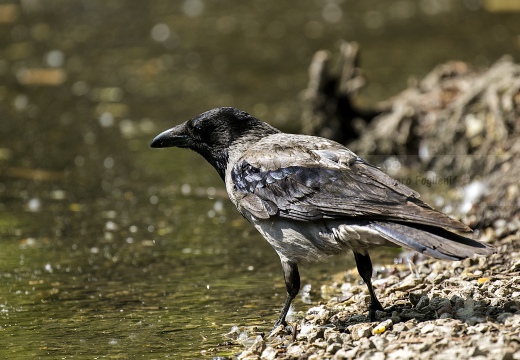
112, 249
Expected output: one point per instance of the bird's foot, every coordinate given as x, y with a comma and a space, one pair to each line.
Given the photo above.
372, 310
281, 328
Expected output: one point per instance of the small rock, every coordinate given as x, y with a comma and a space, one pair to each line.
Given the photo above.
516, 265
346, 354
269, 354
333, 348
438, 302
414, 298
310, 332
379, 342
441, 307
354, 319
411, 314
453, 327
408, 283
233, 333
440, 322
345, 338
512, 306
427, 328
258, 346
467, 310
319, 314
400, 327
423, 302
481, 328
475, 320
395, 318
445, 315
295, 351
248, 355
359, 331
365, 344
502, 317
377, 355
369, 355
332, 336
402, 354
513, 321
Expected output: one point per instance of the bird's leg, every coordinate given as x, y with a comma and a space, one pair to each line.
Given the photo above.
364, 265
292, 283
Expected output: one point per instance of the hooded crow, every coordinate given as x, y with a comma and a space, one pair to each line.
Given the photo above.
312, 198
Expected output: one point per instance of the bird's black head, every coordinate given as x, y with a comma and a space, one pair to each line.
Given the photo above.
212, 133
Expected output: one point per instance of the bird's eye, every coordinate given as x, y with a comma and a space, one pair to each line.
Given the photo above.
196, 127
201, 130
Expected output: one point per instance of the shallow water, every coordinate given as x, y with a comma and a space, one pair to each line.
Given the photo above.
112, 249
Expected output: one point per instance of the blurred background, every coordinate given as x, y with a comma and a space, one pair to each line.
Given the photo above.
111, 248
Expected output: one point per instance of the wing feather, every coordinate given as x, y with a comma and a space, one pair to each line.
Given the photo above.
326, 181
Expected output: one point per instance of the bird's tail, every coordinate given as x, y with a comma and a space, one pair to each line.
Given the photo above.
432, 241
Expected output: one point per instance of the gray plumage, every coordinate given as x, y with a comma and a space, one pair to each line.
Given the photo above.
312, 198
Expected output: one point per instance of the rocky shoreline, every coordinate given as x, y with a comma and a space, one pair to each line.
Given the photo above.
435, 310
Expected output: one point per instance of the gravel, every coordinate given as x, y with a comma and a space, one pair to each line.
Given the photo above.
435, 310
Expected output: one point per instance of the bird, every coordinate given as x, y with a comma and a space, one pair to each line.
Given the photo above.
312, 198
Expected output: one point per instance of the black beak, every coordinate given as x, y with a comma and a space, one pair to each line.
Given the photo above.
172, 137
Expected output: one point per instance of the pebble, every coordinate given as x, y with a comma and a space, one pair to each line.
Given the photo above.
359, 331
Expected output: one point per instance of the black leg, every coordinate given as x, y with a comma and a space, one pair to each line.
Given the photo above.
364, 265
292, 283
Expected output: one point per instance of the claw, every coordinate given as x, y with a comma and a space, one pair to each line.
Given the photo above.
278, 328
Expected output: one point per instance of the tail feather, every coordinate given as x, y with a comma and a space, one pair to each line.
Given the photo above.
432, 241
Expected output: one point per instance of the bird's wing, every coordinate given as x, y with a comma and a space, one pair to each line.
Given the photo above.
307, 178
